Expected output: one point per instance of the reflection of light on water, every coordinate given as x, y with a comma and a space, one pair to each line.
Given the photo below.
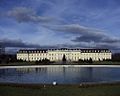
70, 73
30, 70
25, 70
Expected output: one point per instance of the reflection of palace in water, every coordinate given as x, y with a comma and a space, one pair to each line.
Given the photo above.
30, 70
62, 75
64, 72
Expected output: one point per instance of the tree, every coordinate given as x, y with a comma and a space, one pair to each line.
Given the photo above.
80, 60
43, 61
116, 57
64, 58
90, 60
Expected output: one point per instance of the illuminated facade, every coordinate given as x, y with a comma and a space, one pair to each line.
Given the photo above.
70, 54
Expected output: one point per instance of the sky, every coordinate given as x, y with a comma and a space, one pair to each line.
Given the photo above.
60, 23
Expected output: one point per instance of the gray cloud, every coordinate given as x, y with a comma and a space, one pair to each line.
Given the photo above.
84, 34
96, 39
23, 14
16, 43
74, 29
20, 44
88, 37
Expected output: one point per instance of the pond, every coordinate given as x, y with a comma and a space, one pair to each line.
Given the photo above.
62, 75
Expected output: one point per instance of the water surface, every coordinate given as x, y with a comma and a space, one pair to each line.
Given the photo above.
62, 75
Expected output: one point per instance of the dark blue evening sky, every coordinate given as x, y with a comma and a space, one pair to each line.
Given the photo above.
60, 23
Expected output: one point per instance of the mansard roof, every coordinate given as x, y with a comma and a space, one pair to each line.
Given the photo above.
33, 51
94, 50
46, 50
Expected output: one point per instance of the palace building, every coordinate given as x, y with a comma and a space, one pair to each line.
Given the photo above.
69, 54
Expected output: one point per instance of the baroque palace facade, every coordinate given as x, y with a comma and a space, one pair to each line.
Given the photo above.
70, 54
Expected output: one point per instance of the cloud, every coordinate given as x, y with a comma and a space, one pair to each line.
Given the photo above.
84, 34
17, 43
23, 14
74, 29
86, 37
114, 46
96, 39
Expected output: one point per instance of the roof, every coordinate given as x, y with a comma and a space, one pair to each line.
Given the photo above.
46, 50
94, 50
33, 51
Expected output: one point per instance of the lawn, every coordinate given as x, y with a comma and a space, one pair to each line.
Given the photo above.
67, 63
60, 90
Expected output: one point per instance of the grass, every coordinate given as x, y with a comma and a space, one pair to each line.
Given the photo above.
107, 63
18, 63
60, 90
74, 63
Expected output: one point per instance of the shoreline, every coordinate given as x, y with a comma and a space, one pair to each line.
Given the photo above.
90, 84
41, 66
